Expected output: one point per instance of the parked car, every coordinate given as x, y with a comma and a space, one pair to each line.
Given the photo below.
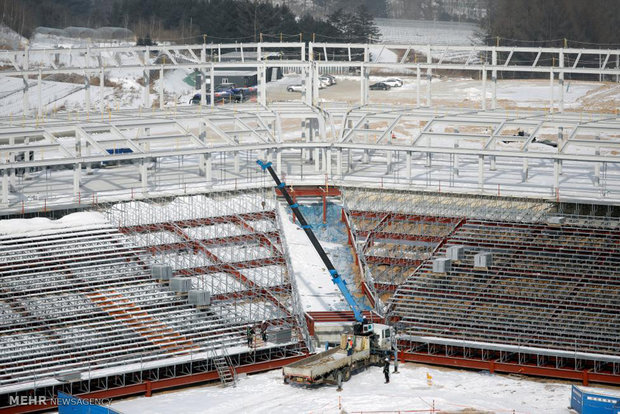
380, 86
295, 88
393, 82
329, 80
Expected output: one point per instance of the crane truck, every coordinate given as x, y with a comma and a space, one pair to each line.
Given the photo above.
372, 342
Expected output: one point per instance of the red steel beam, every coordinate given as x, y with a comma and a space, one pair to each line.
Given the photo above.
393, 261
340, 316
585, 376
208, 221
248, 264
404, 217
218, 241
381, 235
148, 386
312, 191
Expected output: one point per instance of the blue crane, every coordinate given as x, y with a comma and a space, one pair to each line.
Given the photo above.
336, 278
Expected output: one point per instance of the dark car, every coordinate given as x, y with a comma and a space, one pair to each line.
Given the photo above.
379, 86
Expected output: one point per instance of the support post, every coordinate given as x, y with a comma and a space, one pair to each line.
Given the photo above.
144, 176
556, 176
408, 158
481, 172
212, 86
5, 187
419, 85
525, 170
101, 83
328, 162
388, 159
208, 169
39, 95
77, 168
494, 78
429, 76
339, 163
161, 88
484, 88
561, 81
551, 100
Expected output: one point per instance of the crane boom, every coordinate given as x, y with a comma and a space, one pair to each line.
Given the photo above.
336, 278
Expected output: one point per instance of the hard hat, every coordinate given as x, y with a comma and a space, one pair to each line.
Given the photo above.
387, 359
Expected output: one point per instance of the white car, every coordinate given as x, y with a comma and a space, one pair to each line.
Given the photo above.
393, 82
325, 80
295, 88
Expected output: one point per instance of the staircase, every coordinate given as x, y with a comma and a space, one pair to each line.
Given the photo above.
225, 369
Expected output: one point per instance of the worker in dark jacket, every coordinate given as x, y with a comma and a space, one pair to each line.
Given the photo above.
263, 331
249, 332
386, 369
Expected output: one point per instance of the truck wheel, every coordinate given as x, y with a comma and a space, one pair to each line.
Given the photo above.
347, 374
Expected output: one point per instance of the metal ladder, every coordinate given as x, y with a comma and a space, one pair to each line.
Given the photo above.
225, 369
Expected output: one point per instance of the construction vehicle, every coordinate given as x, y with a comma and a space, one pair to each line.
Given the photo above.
372, 342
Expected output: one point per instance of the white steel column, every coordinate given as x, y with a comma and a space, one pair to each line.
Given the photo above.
556, 176
212, 85
5, 187
494, 78
328, 162
408, 167
236, 162
388, 161
202, 137
525, 170
456, 161
339, 162
146, 98
39, 95
26, 95
551, 91
161, 87
481, 172
77, 168
429, 76
144, 176
561, 81
419, 85
279, 161
101, 83
87, 90
208, 168
203, 76
484, 88
262, 85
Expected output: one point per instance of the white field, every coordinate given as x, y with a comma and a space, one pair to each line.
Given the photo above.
450, 390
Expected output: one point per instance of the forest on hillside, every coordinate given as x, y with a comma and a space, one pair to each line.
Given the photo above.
592, 23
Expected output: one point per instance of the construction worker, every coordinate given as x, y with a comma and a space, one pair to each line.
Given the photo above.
386, 369
349, 346
249, 332
263, 331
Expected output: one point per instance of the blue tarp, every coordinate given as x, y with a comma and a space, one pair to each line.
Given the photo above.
68, 404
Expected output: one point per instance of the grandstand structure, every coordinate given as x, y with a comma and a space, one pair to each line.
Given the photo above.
185, 253
544, 303
83, 311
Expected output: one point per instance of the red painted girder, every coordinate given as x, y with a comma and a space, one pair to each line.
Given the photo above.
404, 217
341, 316
148, 386
219, 241
251, 293
381, 235
495, 366
248, 264
385, 287
311, 191
208, 221
393, 261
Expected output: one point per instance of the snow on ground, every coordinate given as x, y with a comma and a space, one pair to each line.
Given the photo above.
317, 292
381, 54
421, 32
408, 390
40, 224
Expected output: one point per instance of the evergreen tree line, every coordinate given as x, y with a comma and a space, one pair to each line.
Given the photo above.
188, 20
549, 22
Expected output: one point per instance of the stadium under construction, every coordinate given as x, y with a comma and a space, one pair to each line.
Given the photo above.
488, 237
